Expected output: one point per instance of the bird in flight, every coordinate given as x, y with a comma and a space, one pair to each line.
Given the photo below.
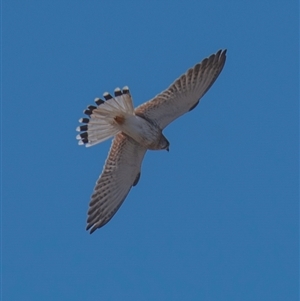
137, 130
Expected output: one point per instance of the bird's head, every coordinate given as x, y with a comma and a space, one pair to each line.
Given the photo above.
164, 143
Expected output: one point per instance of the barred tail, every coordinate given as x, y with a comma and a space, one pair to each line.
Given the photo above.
104, 118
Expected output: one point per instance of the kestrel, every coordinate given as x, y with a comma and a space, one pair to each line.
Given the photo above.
137, 130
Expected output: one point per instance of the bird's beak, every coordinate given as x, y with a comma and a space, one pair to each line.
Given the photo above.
167, 149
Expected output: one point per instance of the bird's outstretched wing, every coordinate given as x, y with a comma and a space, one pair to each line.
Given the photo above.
121, 171
184, 94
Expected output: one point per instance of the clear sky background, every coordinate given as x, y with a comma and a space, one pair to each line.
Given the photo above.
216, 218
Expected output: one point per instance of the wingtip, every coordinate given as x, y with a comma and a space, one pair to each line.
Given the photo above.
223, 55
219, 56
91, 228
221, 52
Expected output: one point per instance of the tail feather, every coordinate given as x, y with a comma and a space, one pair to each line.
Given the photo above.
102, 123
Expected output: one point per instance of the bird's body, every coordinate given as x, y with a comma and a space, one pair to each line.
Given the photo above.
136, 131
142, 131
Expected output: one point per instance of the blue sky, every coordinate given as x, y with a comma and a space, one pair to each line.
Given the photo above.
216, 218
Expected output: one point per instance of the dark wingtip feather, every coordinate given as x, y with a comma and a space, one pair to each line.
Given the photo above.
93, 230
222, 53
92, 227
